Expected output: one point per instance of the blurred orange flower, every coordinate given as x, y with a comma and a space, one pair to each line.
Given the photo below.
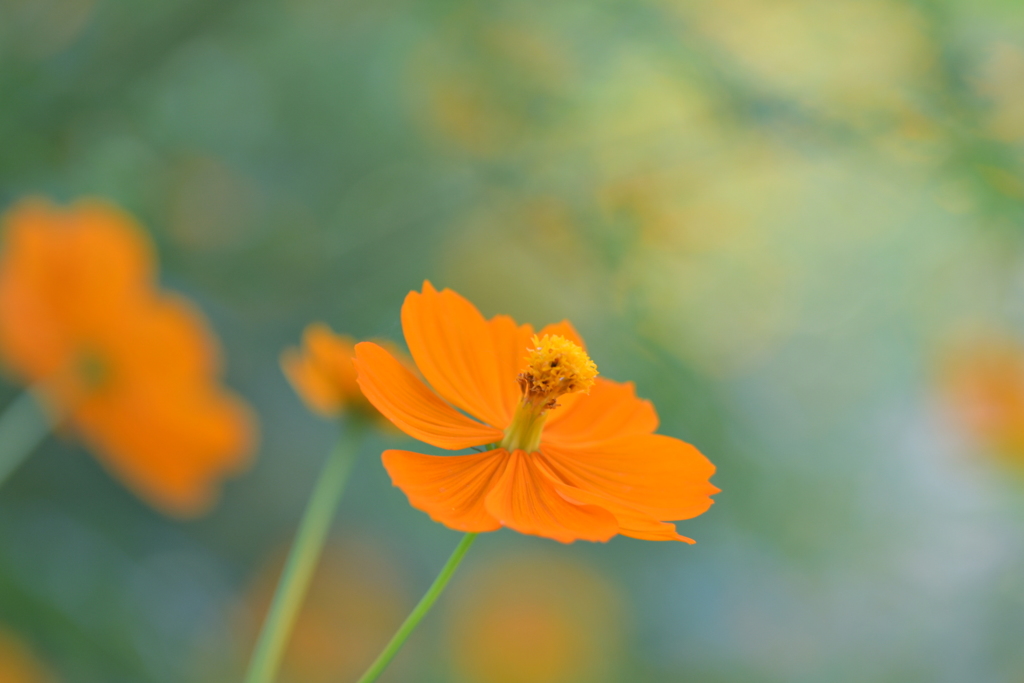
536, 620
984, 382
569, 455
131, 369
355, 602
322, 372
18, 664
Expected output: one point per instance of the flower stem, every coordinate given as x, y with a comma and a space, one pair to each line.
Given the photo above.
23, 426
303, 557
420, 611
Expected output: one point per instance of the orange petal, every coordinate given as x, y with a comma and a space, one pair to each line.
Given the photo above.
32, 341
331, 354
632, 522
168, 337
65, 273
173, 453
511, 343
610, 410
315, 387
402, 398
464, 357
657, 475
525, 499
159, 418
321, 371
116, 254
449, 488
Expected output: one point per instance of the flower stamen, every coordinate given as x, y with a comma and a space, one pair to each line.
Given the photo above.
555, 367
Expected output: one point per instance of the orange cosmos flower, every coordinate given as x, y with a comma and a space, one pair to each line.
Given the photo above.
132, 370
322, 372
569, 455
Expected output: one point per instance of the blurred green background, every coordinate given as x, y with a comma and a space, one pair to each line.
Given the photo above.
779, 217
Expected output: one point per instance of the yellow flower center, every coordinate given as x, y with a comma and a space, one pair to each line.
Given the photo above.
555, 367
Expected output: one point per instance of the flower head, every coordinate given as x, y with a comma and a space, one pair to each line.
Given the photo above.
132, 370
569, 455
322, 373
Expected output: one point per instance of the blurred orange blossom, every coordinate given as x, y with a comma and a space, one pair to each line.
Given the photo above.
131, 370
568, 455
322, 373
984, 383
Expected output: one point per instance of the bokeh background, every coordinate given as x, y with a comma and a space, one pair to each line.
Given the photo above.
796, 224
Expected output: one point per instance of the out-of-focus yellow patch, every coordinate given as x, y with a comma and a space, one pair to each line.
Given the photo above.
355, 603
844, 57
211, 206
536, 619
488, 88
982, 381
1000, 81
17, 662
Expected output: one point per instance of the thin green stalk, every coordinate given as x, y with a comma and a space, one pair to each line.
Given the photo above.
303, 557
428, 600
23, 426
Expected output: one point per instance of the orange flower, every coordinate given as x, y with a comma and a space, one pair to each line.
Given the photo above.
569, 455
322, 372
131, 369
984, 383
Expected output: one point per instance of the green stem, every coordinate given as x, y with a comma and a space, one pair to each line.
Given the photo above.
303, 557
428, 600
23, 426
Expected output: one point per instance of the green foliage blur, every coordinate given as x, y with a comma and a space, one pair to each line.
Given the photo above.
778, 217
